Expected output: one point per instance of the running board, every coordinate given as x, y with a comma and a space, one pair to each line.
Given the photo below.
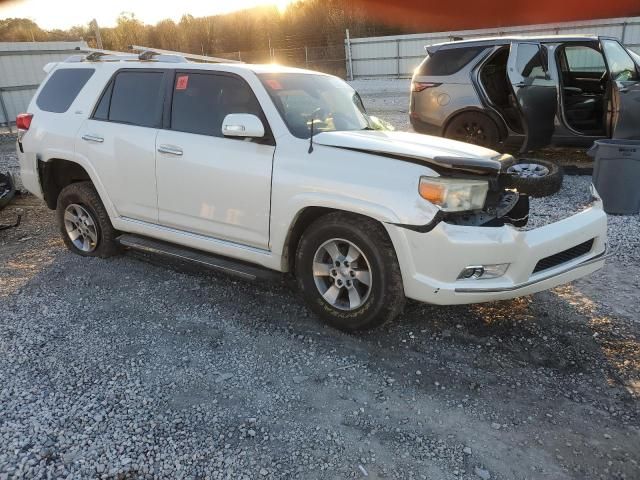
209, 260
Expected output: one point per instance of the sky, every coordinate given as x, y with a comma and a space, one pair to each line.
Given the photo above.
50, 14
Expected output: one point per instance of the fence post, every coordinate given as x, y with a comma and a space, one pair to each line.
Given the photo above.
349, 60
398, 56
4, 112
306, 57
624, 31
239, 56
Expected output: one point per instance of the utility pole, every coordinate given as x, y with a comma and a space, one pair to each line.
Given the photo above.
96, 31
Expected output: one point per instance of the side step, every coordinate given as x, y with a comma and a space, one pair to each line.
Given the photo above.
223, 264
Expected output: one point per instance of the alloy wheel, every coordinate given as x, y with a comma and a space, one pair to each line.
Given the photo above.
528, 170
342, 274
81, 228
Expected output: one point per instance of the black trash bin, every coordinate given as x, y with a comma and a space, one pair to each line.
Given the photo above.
616, 174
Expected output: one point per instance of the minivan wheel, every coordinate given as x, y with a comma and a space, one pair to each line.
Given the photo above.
348, 272
84, 223
473, 127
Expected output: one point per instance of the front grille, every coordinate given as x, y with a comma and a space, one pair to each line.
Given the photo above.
564, 256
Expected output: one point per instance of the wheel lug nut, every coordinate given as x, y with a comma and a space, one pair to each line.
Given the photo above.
352, 274
339, 282
348, 283
337, 263
346, 264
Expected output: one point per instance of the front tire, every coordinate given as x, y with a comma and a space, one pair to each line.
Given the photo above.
347, 270
84, 223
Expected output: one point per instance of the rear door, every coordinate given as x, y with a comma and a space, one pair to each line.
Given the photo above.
535, 92
120, 140
624, 77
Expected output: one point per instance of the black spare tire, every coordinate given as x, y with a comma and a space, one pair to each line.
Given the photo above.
537, 178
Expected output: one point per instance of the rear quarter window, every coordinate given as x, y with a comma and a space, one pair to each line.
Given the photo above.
448, 61
62, 88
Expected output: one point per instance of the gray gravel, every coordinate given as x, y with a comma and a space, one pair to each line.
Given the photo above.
135, 368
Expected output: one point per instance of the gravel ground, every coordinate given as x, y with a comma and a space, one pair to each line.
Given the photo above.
133, 368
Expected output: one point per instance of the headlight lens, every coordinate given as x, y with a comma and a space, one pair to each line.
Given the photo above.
454, 195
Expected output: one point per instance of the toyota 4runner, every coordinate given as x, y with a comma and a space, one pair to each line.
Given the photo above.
256, 169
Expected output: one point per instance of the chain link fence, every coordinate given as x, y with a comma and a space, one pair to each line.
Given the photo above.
328, 59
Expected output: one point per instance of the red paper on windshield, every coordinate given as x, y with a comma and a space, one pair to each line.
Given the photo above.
274, 84
182, 82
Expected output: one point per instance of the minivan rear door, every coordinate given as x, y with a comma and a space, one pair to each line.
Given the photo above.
624, 75
535, 92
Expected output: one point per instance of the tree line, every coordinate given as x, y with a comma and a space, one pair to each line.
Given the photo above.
311, 23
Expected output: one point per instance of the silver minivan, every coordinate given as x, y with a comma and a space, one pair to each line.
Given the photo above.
528, 91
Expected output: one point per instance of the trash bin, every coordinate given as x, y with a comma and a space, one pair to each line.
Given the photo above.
616, 174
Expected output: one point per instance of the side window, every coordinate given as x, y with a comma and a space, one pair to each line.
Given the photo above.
62, 88
136, 99
621, 65
584, 59
448, 61
102, 110
201, 101
531, 61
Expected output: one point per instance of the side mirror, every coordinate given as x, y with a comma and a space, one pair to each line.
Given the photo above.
242, 125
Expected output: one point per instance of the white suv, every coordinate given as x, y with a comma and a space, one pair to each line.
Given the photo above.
259, 168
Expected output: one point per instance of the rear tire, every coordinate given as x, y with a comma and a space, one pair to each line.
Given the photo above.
474, 127
84, 223
338, 292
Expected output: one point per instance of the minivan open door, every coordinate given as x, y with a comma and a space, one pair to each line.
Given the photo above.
534, 91
624, 76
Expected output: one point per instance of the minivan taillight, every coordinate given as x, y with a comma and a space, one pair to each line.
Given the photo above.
23, 121
420, 86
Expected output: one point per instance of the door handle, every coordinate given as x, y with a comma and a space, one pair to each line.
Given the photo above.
92, 138
171, 150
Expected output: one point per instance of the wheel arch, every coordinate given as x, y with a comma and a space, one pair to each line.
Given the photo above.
57, 173
495, 118
303, 219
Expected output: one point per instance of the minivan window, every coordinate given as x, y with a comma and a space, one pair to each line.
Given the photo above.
447, 61
62, 88
136, 98
201, 101
531, 61
621, 65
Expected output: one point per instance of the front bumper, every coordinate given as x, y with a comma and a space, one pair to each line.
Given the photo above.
430, 262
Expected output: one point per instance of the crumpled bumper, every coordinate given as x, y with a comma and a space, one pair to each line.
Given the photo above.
431, 262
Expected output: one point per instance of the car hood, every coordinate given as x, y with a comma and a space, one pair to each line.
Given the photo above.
447, 157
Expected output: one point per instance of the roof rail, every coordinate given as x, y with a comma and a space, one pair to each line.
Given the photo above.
188, 56
145, 54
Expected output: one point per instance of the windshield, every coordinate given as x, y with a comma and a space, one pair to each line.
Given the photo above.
329, 102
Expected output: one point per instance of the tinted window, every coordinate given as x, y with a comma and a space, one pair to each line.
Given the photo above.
449, 61
621, 65
531, 61
137, 98
102, 110
584, 59
62, 88
201, 101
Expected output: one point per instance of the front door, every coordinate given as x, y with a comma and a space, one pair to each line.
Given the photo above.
209, 184
535, 92
624, 77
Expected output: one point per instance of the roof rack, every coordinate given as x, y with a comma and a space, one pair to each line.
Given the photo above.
188, 56
145, 54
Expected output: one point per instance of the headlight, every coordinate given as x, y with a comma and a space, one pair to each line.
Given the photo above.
454, 195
